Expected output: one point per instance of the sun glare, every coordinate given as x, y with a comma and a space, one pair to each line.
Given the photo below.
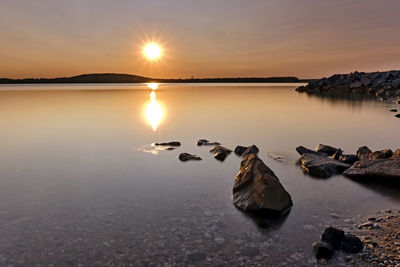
152, 51
154, 111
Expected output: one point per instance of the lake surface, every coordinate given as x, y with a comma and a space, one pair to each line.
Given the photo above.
80, 183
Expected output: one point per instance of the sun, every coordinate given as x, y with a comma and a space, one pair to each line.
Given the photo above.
152, 51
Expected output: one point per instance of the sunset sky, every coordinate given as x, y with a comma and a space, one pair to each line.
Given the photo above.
207, 38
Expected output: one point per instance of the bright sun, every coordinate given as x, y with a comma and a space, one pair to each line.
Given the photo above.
152, 51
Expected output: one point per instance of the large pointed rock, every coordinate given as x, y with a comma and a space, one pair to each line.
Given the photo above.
320, 166
378, 170
258, 189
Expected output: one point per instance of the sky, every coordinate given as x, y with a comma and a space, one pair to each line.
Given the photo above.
207, 38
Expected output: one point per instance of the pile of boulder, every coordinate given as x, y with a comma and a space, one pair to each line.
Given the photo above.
334, 239
381, 166
382, 84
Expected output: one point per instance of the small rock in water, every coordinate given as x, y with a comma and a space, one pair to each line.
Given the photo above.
333, 236
351, 244
397, 115
393, 110
186, 156
239, 150
174, 143
323, 250
205, 142
220, 153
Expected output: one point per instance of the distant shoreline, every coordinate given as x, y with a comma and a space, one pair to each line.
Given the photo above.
127, 78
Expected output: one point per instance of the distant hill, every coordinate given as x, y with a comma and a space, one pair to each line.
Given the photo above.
128, 78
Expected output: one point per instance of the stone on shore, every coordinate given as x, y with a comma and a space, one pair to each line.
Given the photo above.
205, 142
333, 236
257, 188
329, 150
186, 156
379, 170
220, 153
351, 244
321, 166
323, 250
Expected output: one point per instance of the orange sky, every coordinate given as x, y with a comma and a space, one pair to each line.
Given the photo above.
208, 38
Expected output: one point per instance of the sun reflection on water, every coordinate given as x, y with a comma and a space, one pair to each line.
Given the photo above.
154, 110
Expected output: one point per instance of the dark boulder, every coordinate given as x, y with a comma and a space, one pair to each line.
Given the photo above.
396, 154
349, 158
323, 250
397, 115
220, 153
363, 152
251, 150
379, 170
393, 110
382, 154
333, 236
321, 166
186, 156
257, 189
351, 244
205, 142
302, 150
337, 154
329, 150
239, 150
174, 143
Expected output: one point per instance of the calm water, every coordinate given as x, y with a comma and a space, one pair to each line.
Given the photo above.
81, 184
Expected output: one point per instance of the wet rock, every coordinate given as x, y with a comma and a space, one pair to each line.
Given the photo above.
239, 150
323, 250
174, 143
205, 142
329, 150
320, 166
220, 153
258, 189
302, 150
186, 156
393, 110
363, 152
251, 150
379, 170
337, 154
351, 244
333, 236
349, 159
382, 154
396, 154
397, 115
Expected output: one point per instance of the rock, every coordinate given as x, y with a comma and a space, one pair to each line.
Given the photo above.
250, 150
371, 91
380, 93
337, 154
397, 115
186, 156
393, 110
257, 188
383, 154
174, 143
379, 170
329, 150
363, 152
333, 236
350, 159
239, 150
196, 256
302, 150
355, 84
205, 142
396, 154
365, 81
351, 244
220, 153
219, 240
323, 250
320, 166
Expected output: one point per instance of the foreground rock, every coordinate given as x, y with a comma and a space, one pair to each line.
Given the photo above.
186, 156
205, 142
381, 170
174, 143
321, 166
220, 153
243, 151
257, 188
329, 150
380, 84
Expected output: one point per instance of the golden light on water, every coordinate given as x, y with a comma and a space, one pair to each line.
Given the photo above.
153, 86
154, 110
152, 51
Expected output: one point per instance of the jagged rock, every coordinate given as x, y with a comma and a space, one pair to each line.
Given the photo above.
323, 250
302, 150
382, 154
220, 153
351, 244
174, 143
379, 170
363, 152
337, 154
321, 166
239, 150
349, 158
257, 188
329, 150
396, 154
251, 150
186, 156
333, 236
205, 142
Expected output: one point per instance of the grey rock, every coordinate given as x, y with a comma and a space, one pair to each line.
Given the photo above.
320, 166
186, 156
379, 170
257, 188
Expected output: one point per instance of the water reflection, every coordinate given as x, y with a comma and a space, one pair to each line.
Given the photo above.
154, 110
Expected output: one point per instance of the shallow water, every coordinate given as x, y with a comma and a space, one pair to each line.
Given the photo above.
81, 183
